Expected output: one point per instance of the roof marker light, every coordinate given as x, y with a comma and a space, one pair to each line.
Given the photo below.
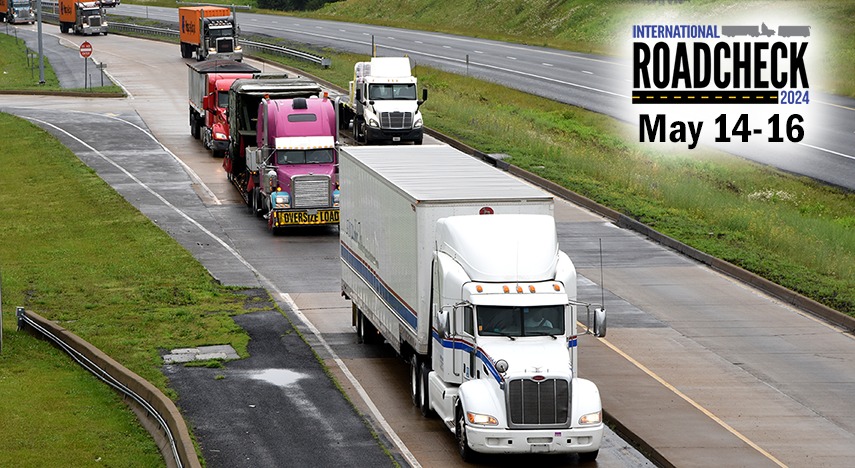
556, 286
505, 289
479, 288
531, 288
519, 289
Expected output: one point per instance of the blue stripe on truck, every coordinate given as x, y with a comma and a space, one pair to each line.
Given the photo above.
398, 306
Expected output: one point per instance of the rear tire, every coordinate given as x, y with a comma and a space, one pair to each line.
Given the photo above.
195, 128
366, 333
415, 381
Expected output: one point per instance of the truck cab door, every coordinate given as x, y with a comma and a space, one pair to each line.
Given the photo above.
465, 347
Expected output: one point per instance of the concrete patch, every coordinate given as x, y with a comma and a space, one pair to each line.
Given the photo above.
202, 353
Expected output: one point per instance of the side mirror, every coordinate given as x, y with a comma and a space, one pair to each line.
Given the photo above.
359, 95
599, 328
424, 94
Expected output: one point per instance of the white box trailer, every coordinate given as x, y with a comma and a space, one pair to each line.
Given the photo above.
448, 258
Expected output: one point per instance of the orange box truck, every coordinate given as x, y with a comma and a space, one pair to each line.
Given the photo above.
208, 31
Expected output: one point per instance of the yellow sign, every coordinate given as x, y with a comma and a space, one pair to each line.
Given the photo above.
287, 218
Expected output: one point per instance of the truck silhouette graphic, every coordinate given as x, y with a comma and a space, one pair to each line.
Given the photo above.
753, 31
787, 31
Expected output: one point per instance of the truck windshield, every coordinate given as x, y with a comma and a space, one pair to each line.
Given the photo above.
223, 99
520, 321
220, 32
388, 92
94, 12
312, 156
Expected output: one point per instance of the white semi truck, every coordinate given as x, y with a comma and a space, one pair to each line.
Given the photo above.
456, 265
383, 104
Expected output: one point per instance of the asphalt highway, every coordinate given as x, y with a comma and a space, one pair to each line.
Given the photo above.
597, 83
705, 370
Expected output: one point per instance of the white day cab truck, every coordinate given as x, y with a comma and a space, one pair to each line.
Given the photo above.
382, 105
456, 265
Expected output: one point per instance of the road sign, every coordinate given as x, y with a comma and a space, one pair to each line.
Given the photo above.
85, 49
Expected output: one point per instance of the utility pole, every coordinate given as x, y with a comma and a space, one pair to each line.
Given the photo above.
41, 55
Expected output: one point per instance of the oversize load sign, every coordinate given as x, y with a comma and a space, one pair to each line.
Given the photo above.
730, 81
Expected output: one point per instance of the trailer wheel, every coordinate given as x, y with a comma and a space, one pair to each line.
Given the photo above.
466, 453
366, 333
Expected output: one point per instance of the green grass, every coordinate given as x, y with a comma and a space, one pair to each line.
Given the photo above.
78, 253
18, 72
21, 74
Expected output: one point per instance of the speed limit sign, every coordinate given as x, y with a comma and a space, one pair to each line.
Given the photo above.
85, 49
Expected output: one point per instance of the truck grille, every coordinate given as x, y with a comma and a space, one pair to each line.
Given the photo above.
396, 120
94, 21
311, 191
540, 404
225, 46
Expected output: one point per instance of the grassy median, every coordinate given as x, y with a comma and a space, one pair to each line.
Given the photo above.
20, 71
75, 251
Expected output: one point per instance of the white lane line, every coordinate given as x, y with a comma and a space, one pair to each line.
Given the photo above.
419, 42
688, 400
828, 151
510, 58
446, 47
268, 284
477, 51
546, 64
587, 72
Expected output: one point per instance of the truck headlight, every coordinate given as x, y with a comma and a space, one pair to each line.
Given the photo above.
220, 136
336, 195
417, 123
591, 418
281, 200
481, 419
373, 123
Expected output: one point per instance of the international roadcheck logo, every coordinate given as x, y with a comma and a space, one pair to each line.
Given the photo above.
698, 65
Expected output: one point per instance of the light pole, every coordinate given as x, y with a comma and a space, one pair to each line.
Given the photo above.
41, 55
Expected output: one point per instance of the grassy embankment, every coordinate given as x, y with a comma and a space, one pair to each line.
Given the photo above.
21, 74
75, 251
791, 230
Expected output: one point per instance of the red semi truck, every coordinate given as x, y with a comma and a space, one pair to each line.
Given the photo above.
208, 85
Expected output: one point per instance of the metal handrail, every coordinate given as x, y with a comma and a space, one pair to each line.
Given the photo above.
24, 319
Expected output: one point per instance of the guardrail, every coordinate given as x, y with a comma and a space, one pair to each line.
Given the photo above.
172, 33
155, 411
247, 45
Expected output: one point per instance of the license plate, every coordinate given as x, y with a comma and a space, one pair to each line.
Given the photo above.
396, 138
289, 218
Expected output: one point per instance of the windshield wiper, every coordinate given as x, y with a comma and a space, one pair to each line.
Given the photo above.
500, 333
554, 336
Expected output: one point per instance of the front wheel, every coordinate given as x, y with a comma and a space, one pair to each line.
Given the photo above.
424, 403
588, 456
466, 453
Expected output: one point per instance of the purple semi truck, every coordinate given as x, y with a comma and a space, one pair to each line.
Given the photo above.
296, 160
